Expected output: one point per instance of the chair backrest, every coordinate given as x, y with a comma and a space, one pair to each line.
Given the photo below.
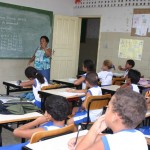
118, 81
97, 102
43, 134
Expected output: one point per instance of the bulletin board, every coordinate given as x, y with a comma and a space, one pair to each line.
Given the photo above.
141, 22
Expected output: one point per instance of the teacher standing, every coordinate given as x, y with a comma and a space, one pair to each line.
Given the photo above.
41, 58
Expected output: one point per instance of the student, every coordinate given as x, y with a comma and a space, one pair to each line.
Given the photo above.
37, 81
106, 75
125, 111
132, 79
91, 80
88, 66
129, 65
57, 110
41, 58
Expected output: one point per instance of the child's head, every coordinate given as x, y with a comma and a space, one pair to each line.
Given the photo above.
57, 107
133, 76
129, 64
32, 73
88, 65
107, 65
91, 79
127, 108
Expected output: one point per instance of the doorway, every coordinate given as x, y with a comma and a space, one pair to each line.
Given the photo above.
89, 39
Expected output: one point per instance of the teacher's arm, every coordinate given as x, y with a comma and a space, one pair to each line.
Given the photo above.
31, 60
48, 52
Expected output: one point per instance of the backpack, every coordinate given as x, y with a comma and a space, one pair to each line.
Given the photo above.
17, 107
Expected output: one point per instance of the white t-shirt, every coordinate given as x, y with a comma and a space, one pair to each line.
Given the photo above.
135, 88
37, 87
105, 77
125, 140
83, 83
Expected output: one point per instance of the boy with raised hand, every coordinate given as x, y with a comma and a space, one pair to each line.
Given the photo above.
125, 112
129, 65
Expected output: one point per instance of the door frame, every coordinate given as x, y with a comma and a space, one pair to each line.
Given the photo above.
98, 51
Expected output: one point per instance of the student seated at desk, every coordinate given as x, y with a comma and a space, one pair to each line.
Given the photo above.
129, 65
80, 116
88, 66
125, 111
106, 74
132, 80
37, 81
57, 110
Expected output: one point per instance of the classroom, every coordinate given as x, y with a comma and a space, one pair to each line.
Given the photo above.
108, 23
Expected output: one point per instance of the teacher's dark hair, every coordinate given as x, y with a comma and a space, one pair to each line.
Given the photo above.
31, 72
45, 37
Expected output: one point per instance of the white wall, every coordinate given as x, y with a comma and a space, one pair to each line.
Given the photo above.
116, 23
62, 7
13, 69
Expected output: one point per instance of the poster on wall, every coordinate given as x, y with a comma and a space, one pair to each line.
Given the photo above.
141, 22
130, 49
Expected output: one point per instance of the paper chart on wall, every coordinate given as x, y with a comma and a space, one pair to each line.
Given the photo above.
141, 22
130, 49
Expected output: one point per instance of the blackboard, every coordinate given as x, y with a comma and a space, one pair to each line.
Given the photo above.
21, 29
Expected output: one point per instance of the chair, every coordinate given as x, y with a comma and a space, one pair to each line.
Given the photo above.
118, 81
95, 102
49, 134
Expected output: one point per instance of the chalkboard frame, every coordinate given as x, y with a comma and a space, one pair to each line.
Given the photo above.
41, 11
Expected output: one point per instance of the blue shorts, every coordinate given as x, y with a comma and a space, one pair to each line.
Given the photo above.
80, 117
45, 73
37, 103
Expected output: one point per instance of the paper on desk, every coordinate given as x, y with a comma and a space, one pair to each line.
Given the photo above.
69, 94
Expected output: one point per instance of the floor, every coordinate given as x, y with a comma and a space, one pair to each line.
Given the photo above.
8, 138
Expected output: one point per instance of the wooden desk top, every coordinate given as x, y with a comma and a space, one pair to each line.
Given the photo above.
59, 143
67, 80
16, 118
14, 84
62, 92
111, 87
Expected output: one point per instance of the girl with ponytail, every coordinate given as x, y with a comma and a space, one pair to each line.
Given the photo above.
37, 81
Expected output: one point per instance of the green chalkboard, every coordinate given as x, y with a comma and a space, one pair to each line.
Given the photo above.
21, 29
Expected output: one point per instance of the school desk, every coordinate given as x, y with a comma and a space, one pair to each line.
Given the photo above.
61, 92
12, 86
111, 89
57, 143
5, 119
68, 81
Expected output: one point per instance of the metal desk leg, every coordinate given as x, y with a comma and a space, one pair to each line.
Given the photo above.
7, 90
0, 135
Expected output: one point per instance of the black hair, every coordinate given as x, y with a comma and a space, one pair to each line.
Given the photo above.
57, 107
31, 72
134, 76
130, 106
92, 78
88, 63
130, 62
45, 37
